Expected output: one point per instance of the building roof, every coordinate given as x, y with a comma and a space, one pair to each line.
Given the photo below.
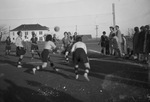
30, 27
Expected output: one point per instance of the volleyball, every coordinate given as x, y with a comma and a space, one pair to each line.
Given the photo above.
56, 29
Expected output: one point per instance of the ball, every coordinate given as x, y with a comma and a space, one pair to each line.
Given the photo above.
56, 29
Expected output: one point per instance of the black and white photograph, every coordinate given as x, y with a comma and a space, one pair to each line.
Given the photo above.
74, 50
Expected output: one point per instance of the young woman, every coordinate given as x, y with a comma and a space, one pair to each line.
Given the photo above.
115, 45
20, 48
136, 42
8, 46
54, 39
141, 42
103, 42
79, 52
34, 46
118, 34
66, 44
48, 48
111, 52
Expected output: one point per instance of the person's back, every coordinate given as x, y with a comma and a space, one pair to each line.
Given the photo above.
49, 45
79, 44
79, 55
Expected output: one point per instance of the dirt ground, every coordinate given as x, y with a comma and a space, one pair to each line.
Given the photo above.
111, 80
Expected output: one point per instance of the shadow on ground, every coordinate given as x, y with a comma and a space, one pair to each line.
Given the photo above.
15, 93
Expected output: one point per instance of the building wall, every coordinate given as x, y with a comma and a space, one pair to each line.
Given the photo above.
27, 35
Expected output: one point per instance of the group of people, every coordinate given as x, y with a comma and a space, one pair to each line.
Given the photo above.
141, 43
73, 45
114, 44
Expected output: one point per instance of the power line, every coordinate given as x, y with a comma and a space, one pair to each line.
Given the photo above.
3, 19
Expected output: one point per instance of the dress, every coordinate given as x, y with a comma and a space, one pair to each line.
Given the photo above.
141, 41
147, 49
136, 43
103, 40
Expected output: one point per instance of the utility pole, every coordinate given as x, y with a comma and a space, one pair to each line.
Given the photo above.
76, 28
9, 31
113, 12
96, 31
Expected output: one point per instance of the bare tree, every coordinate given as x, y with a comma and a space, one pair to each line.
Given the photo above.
3, 30
130, 32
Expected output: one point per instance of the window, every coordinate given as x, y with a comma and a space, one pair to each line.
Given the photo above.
13, 33
26, 33
40, 32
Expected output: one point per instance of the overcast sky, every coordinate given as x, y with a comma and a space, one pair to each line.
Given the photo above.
69, 13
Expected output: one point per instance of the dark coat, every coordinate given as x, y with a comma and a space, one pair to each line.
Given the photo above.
141, 41
136, 39
147, 49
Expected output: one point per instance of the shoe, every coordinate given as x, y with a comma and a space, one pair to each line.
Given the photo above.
55, 69
34, 69
77, 76
19, 66
67, 61
86, 76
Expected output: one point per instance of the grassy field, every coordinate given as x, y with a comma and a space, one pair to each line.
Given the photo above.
111, 79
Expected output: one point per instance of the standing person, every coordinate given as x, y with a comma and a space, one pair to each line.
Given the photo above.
118, 34
136, 42
66, 45
48, 48
0, 36
110, 40
103, 43
74, 37
147, 43
20, 48
107, 46
34, 46
54, 39
141, 42
8, 46
70, 40
124, 45
79, 52
115, 45
55, 42
70, 37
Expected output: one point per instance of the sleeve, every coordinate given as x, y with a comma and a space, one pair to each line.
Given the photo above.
53, 45
73, 48
16, 42
85, 48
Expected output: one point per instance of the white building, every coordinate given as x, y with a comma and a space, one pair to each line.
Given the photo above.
27, 30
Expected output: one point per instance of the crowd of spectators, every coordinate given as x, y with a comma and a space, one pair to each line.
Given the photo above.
117, 44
